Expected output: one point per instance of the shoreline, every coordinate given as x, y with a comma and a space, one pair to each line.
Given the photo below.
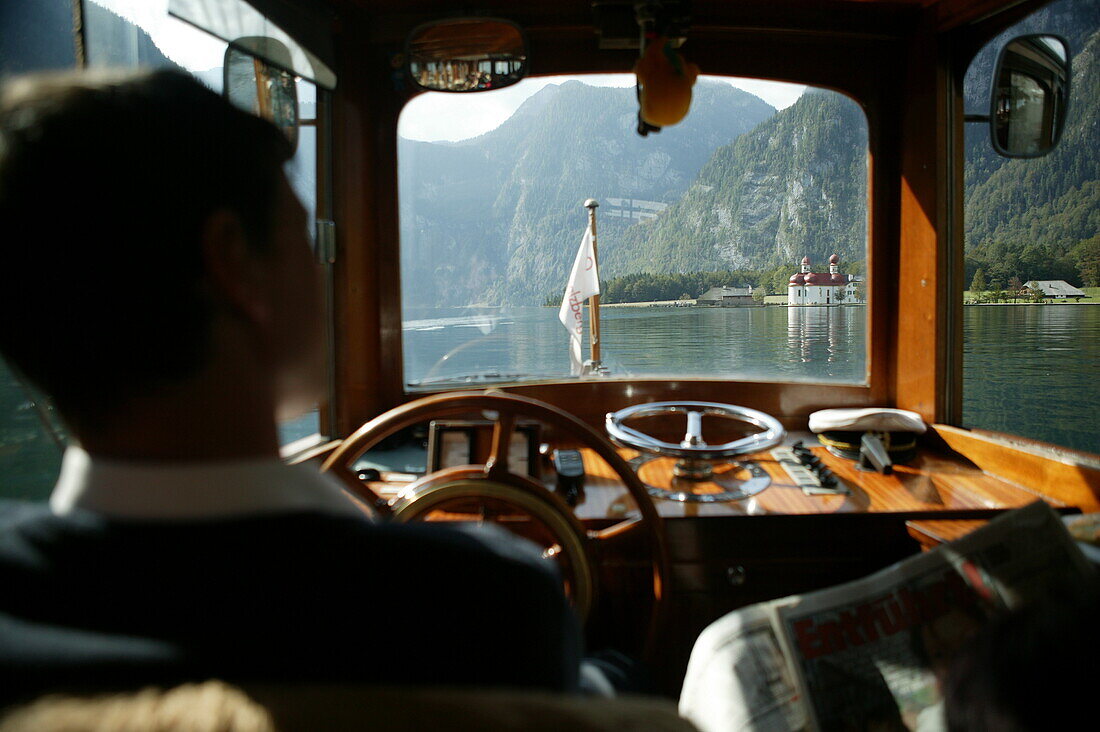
1044, 302
691, 304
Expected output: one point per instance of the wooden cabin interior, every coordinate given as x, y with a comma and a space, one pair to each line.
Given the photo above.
651, 573
903, 62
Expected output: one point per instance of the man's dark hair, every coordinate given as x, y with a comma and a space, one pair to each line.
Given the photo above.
105, 184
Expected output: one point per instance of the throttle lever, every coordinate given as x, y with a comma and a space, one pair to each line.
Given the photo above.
873, 455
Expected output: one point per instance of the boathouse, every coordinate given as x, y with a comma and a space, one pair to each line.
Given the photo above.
807, 287
727, 297
1057, 289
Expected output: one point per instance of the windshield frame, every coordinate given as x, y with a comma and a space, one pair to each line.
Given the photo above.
906, 345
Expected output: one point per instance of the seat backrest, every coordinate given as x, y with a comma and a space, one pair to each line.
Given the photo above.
215, 706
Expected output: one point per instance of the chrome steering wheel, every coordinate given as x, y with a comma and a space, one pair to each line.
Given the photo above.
694, 454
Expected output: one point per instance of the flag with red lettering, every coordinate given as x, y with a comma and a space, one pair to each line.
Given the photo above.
584, 282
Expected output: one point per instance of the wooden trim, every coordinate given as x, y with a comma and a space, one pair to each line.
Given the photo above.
1066, 476
368, 316
930, 534
954, 13
370, 371
955, 158
921, 309
791, 403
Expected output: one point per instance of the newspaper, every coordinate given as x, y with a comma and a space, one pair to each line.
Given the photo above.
866, 655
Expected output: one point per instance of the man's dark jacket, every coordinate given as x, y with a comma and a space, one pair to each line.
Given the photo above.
88, 603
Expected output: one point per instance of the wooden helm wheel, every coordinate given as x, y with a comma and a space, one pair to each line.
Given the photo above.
493, 480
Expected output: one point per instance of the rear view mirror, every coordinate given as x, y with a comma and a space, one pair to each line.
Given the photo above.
466, 55
262, 89
1030, 96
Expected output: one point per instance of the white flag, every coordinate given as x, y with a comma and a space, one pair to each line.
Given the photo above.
584, 282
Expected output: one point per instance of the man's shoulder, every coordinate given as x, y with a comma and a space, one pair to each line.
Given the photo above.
288, 539
223, 589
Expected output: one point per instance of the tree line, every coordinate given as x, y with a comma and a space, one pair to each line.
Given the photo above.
650, 287
1003, 266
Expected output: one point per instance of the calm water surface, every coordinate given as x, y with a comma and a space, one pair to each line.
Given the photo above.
1029, 370
775, 343
1034, 371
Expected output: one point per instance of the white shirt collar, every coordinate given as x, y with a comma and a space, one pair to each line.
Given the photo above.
193, 490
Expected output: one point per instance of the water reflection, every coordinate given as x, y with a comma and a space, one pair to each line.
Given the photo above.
1031, 370
823, 333
774, 343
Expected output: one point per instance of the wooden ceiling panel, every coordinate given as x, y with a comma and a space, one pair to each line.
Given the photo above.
793, 14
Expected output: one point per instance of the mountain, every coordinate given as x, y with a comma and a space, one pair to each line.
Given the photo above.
113, 41
795, 185
498, 218
1024, 217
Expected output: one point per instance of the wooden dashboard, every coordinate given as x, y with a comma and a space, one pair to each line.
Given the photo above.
946, 485
782, 541
932, 483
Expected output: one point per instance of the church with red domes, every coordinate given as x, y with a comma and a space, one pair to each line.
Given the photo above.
823, 288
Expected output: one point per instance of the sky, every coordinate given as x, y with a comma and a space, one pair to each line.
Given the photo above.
432, 116
435, 116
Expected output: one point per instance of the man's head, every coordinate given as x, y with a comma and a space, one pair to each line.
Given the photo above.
123, 203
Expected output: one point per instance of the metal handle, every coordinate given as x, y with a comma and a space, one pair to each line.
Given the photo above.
694, 435
693, 445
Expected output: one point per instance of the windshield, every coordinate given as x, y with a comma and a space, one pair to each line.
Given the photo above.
732, 245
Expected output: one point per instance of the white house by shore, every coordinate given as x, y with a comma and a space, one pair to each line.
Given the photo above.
1057, 289
823, 288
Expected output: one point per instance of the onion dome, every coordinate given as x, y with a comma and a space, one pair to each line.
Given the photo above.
818, 278
798, 279
805, 260
839, 279
834, 259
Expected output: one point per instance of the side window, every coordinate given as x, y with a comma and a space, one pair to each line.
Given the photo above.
33, 37
36, 36
31, 440
1031, 343
124, 33
302, 174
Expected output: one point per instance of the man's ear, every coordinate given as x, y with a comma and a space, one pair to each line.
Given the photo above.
232, 268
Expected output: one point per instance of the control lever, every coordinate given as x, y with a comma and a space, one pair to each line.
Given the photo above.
806, 457
569, 466
873, 455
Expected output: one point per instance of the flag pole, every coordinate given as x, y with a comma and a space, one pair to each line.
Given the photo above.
594, 302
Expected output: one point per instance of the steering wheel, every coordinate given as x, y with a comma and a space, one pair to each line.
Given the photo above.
695, 454
576, 549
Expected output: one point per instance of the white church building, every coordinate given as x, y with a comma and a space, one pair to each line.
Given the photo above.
822, 288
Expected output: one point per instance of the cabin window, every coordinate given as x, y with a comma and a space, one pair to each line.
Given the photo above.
701, 232
141, 33
1031, 228
31, 438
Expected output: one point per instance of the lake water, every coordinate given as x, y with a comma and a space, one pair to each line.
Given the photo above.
1034, 371
1029, 370
772, 343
